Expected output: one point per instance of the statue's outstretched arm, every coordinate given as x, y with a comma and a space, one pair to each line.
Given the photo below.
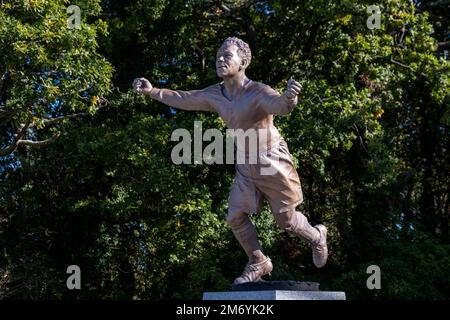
193, 100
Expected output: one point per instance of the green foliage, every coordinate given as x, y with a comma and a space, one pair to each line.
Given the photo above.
407, 272
369, 138
47, 69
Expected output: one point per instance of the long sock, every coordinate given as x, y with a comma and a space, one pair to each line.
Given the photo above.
245, 233
297, 224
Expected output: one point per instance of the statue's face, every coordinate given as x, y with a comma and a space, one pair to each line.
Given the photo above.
228, 61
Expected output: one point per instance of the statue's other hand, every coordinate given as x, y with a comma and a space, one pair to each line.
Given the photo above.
293, 89
142, 85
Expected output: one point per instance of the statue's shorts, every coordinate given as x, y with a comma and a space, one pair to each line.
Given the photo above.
273, 177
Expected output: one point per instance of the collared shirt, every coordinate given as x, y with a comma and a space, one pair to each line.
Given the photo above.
252, 108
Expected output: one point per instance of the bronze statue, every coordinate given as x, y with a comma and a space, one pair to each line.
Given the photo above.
246, 104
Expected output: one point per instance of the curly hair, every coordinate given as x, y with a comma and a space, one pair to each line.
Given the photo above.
243, 48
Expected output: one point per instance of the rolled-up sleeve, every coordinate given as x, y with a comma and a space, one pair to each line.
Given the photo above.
274, 103
193, 100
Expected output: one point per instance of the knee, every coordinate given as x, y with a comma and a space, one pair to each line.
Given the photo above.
286, 220
286, 224
235, 219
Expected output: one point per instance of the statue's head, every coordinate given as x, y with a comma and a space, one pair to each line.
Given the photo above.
233, 56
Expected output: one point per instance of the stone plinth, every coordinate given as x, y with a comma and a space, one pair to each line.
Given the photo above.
275, 290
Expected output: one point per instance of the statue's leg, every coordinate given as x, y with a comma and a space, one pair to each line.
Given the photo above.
245, 198
297, 224
245, 232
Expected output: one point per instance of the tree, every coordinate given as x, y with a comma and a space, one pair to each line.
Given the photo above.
369, 137
49, 71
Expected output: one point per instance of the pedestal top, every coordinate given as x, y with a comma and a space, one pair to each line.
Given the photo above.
275, 295
287, 285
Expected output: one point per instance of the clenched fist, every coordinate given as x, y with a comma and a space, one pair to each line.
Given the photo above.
293, 89
142, 85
